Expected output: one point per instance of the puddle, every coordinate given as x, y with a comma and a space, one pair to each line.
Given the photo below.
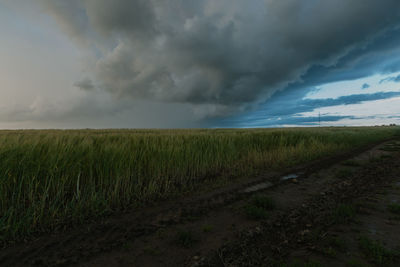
257, 187
289, 176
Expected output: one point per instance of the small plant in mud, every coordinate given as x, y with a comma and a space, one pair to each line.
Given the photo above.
376, 252
298, 263
151, 250
207, 228
386, 156
355, 263
344, 213
258, 207
330, 252
394, 208
338, 243
264, 202
351, 163
344, 173
185, 239
257, 213
391, 147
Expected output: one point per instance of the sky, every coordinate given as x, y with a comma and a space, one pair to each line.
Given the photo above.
198, 63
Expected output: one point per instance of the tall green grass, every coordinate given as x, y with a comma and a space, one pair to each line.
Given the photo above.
50, 178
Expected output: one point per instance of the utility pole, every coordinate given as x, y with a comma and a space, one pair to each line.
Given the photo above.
319, 119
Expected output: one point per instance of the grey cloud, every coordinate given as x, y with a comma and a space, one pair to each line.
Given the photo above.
287, 105
85, 84
225, 53
395, 79
365, 86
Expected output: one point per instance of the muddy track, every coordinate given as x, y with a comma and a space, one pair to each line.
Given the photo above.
304, 226
86, 243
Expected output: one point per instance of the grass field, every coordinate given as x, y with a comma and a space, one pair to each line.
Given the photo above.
53, 178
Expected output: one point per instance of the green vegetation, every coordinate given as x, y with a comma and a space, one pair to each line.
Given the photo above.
256, 213
394, 208
344, 173
338, 243
376, 252
344, 213
355, 263
393, 146
264, 202
185, 239
258, 207
310, 263
53, 178
352, 163
207, 228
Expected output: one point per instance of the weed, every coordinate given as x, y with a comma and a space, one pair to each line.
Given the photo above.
391, 147
351, 163
394, 208
330, 252
338, 243
344, 213
259, 206
151, 250
344, 173
387, 156
185, 239
207, 228
310, 263
355, 263
264, 202
127, 245
376, 252
257, 213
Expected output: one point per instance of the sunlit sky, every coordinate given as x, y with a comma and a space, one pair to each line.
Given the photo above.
211, 63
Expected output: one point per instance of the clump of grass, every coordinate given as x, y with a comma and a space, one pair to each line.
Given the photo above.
264, 202
391, 147
151, 250
338, 243
351, 163
207, 228
185, 239
309, 263
330, 252
51, 179
344, 213
344, 173
258, 207
376, 252
394, 208
355, 263
257, 213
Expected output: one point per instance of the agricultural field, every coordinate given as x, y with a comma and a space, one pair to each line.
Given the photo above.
57, 177
57, 180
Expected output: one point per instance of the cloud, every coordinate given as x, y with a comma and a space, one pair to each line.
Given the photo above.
395, 79
300, 121
365, 86
218, 56
85, 84
285, 107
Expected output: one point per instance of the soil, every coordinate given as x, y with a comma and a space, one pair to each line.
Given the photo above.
325, 212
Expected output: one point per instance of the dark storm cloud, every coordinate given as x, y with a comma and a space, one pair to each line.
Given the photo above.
222, 53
